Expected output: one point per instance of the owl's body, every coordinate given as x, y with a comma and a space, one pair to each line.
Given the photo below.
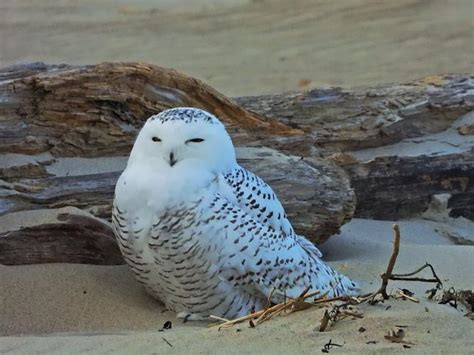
204, 235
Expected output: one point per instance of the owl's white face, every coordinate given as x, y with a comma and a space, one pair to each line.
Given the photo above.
184, 138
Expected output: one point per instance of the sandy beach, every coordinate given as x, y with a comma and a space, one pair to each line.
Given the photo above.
249, 47
55, 308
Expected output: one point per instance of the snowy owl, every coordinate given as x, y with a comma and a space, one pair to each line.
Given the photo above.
204, 235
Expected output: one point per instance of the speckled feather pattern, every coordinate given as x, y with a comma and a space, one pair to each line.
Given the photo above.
221, 249
186, 115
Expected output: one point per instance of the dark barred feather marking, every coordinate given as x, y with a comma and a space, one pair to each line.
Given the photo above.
187, 115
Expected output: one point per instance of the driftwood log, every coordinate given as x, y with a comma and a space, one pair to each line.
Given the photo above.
401, 145
65, 133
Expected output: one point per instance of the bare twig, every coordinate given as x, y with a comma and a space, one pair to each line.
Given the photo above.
406, 277
408, 297
391, 263
338, 312
324, 321
418, 279
167, 342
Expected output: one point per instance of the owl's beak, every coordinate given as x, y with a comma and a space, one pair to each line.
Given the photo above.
173, 161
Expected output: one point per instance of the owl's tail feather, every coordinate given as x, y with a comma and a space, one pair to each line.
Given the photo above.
331, 283
343, 286
335, 286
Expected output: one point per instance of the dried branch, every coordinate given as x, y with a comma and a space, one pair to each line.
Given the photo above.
391, 263
405, 277
403, 295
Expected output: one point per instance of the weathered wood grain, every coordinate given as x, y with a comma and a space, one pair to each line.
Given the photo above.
340, 123
96, 110
337, 119
66, 235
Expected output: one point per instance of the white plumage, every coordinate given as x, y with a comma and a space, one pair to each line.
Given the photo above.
204, 235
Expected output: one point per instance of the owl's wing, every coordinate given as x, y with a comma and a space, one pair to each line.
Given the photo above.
256, 197
256, 258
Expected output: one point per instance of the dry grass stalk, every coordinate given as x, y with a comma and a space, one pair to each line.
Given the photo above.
219, 318
268, 313
401, 294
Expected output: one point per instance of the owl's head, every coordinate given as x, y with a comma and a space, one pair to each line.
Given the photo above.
184, 137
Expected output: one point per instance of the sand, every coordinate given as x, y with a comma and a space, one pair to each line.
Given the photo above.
57, 308
249, 47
